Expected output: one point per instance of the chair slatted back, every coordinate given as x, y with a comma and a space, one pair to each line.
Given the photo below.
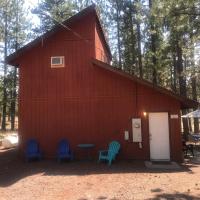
32, 146
114, 147
63, 146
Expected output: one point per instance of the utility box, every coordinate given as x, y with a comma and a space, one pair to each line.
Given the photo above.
137, 129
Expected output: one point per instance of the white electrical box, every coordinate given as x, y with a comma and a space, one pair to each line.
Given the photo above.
137, 129
126, 135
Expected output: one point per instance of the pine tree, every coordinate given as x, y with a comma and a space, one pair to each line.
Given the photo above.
4, 14
13, 25
81, 4
51, 12
138, 9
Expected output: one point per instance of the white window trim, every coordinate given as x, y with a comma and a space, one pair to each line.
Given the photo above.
58, 65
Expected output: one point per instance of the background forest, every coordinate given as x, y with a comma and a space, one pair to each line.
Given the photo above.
157, 40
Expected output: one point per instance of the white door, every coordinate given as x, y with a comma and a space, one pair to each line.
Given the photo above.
159, 136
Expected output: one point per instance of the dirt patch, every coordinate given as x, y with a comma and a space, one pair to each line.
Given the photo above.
78, 180
6, 133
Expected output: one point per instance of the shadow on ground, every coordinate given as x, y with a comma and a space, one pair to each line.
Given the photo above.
175, 196
14, 168
164, 196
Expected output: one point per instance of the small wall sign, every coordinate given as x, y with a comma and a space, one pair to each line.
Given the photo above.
126, 135
174, 116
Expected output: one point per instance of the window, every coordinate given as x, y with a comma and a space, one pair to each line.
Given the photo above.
57, 61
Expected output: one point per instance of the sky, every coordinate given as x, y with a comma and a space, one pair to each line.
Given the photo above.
30, 4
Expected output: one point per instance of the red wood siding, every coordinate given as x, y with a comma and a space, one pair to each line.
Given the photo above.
82, 102
101, 52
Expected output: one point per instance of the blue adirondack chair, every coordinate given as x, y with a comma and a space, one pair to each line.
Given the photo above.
111, 153
64, 151
33, 150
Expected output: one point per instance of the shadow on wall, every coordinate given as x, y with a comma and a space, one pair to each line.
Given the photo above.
12, 168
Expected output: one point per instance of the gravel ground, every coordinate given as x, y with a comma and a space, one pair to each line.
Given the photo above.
82, 180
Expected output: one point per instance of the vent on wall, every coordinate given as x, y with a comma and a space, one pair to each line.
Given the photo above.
57, 61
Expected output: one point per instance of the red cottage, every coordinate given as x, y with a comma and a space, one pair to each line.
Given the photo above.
68, 89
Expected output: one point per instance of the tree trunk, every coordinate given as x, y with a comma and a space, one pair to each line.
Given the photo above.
118, 35
193, 66
14, 85
190, 124
13, 101
3, 125
132, 50
153, 46
194, 96
139, 51
174, 76
182, 82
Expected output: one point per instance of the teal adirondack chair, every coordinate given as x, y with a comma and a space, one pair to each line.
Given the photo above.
111, 153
